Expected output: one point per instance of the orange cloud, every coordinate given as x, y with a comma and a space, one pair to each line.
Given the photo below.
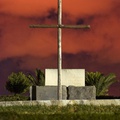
26, 7
17, 39
36, 7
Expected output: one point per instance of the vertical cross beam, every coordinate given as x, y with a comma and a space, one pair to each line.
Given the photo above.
59, 49
59, 27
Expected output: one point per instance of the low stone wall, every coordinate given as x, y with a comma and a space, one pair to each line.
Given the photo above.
68, 93
115, 102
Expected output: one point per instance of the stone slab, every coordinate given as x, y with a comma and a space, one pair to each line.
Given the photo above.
75, 77
46, 93
78, 93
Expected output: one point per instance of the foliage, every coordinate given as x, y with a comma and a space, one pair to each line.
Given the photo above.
69, 112
56, 109
17, 116
100, 81
39, 79
14, 98
17, 83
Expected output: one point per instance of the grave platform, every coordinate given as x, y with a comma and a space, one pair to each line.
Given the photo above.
68, 93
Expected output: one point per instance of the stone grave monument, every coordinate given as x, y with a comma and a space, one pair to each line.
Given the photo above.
59, 27
60, 83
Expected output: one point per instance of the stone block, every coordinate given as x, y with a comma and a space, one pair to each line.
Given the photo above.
78, 93
75, 77
46, 92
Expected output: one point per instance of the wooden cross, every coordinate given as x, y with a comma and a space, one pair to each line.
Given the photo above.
59, 26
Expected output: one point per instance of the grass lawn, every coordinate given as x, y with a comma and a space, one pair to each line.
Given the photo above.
69, 112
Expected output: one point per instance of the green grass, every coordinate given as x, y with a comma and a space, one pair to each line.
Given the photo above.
69, 112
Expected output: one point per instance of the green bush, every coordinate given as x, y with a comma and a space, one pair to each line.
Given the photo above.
17, 83
38, 79
100, 81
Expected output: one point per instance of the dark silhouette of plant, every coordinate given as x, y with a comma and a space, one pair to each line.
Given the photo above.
38, 79
100, 81
17, 83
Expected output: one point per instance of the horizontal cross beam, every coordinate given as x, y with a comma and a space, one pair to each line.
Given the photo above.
61, 26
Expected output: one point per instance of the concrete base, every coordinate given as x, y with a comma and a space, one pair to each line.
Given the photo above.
62, 102
70, 93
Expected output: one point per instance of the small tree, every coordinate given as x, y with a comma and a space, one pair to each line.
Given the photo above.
38, 79
100, 81
17, 83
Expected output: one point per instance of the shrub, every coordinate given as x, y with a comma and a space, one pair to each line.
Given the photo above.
17, 83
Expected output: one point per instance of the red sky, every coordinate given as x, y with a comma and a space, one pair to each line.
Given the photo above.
22, 48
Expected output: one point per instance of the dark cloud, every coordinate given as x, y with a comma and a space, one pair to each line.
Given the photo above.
6, 68
80, 21
52, 14
83, 59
